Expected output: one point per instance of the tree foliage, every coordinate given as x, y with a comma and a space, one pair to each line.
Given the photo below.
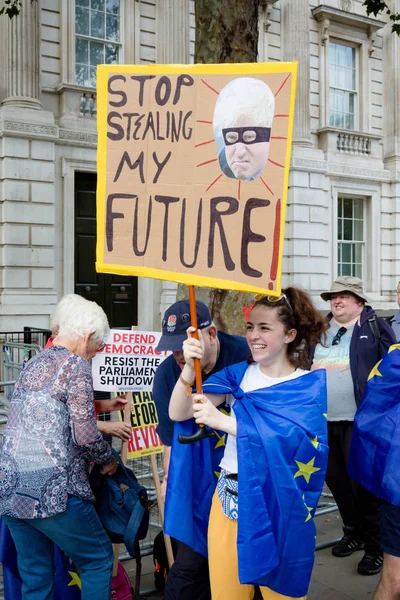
376, 7
12, 8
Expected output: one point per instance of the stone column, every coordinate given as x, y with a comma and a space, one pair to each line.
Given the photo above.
296, 46
23, 58
391, 48
173, 31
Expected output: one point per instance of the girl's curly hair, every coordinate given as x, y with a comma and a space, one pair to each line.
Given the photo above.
296, 310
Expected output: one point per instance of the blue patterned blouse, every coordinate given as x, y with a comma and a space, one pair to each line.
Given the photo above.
51, 437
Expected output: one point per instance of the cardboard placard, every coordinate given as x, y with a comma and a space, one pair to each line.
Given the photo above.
193, 166
144, 439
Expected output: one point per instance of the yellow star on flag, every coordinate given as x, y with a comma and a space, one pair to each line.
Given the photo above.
314, 441
217, 474
309, 508
306, 469
221, 440
375, 371
394, 347
75, 579
325, 415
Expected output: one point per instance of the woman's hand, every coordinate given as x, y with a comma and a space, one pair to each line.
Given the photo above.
118, 402
110, 468
193, 348
116, 429
206, 413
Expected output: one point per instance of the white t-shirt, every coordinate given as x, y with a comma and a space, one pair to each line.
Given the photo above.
253, 379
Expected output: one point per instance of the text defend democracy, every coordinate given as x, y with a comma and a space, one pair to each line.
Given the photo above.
129, 349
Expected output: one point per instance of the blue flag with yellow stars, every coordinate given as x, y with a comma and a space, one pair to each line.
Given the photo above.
282, 456
375, 446
67, 583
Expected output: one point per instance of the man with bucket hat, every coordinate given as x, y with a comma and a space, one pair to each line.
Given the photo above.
189, 579
356, 340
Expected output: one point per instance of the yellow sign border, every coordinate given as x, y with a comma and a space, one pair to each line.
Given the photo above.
235, 69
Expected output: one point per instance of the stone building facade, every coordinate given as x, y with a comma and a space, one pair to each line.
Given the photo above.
343, 211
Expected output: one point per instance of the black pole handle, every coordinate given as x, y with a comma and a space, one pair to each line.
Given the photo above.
198, 435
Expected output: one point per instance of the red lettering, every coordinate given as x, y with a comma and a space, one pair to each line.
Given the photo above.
155, 440
145, 435
131, 447
137, 440
117, 337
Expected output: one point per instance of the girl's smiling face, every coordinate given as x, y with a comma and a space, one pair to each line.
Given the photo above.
266, 336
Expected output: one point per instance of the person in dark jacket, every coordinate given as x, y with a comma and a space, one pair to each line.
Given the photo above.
188, 578
357, 340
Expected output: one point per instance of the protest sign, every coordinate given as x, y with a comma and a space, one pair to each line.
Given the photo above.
193, 166
128, 361
144, 439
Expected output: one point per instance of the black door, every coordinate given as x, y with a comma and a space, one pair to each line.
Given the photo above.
116, 294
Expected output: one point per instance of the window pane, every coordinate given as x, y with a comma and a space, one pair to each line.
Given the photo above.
346, 269
82, 21
82, 2
92, 76
340, 229
341, 54
81, 51
96, 53
112, 6
112, 31
358, 271
81, 74
348, 207
358, 253
332, 53
358, 230
111, 54
358, 208
340, 206
97, 24
347, 229
346, 253
98, 5
342, 78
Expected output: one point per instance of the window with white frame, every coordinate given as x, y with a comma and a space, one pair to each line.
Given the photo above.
343, 98
351, 238
97, 29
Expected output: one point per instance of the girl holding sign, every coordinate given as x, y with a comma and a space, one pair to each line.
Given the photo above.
261, 530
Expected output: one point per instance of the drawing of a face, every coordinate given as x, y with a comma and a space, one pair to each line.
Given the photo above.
242, 127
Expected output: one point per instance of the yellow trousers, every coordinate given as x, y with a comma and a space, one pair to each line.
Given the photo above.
223, 560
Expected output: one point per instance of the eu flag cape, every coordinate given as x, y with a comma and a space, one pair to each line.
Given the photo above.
282, 456
66, 580
375, 446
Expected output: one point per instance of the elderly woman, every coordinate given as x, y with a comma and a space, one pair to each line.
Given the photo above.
117, 429
49, 442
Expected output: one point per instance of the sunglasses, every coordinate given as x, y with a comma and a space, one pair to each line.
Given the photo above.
246, 135
338, 336
275, 300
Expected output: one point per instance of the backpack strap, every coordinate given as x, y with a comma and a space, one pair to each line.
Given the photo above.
133, 526
374, 328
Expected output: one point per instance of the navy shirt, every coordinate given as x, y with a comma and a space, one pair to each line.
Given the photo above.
232, 349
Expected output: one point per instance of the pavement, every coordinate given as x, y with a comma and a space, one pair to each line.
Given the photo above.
333, 578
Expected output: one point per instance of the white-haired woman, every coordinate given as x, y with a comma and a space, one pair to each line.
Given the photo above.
49, 442
117, 429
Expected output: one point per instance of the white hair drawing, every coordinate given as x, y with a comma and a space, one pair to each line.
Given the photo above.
243, 97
